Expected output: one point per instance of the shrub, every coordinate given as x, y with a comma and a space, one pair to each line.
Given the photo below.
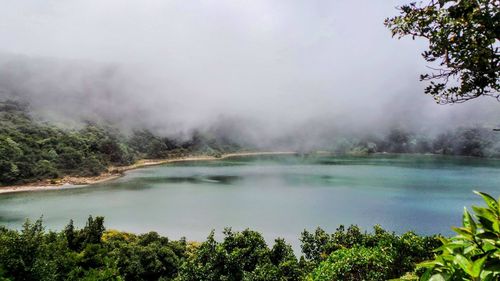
357, 263
473, 254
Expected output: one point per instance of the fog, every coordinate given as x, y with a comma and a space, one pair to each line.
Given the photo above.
259, 70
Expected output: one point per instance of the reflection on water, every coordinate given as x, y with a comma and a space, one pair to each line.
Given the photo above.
278, 195
151, 180
7, 217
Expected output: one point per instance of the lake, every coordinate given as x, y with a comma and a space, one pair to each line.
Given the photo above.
279, 196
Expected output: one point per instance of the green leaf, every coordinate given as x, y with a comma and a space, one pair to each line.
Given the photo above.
427, 275
486, 223
488, 235
485, 212
437, 277
428, 264
450, 247
464, 263
443, 240
463, 231
490, 201
478, 266
470, 249
468, 221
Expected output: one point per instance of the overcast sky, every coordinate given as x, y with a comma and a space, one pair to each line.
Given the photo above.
182, 64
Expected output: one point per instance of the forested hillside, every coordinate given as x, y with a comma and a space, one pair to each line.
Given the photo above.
474, 141
31, 150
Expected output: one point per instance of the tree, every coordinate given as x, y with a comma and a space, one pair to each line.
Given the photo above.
463, 37
92, 232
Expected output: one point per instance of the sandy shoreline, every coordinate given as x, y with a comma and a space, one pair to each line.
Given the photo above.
118, 171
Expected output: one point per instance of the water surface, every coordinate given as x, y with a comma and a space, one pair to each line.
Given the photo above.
277, 195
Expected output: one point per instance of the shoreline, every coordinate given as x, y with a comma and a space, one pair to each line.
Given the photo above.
114, 172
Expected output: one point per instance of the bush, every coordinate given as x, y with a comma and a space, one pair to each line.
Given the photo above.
408, 249
241, 256
357, 263
474, 254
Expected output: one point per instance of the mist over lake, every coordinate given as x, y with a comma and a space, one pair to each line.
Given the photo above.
260, 140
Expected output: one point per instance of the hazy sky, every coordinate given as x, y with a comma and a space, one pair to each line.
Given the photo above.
271, 66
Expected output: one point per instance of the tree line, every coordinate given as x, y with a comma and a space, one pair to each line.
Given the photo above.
476, 141
31, 150
92, 253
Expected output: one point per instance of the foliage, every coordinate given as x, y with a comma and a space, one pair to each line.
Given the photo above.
349, 254
31, 150
33, 254
241, 256
463, 141
474, 254
92, 253
463, 37
358, 263
147, 257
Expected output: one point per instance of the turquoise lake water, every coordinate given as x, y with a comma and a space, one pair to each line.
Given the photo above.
279, 196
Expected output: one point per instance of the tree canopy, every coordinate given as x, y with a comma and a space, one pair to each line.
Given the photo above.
94, 253
463, 37
32, 150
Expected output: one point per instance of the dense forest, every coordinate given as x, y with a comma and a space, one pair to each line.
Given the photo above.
93, 253
32, 150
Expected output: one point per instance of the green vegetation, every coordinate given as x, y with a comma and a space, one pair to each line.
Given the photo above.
463, 141
352, 255
359, 263
463, 39
92, 253
474, 254
31, 150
